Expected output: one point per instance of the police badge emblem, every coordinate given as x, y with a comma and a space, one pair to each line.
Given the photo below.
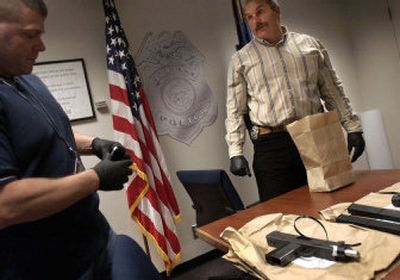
172, 70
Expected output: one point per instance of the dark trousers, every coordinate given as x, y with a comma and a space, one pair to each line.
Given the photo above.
277, 165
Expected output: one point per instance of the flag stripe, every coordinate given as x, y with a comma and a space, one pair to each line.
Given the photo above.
159, 226
141, 220
159, 178
166, 193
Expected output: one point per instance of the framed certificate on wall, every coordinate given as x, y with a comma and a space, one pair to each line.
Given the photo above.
68, 83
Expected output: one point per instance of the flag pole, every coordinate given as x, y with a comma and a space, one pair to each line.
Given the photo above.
146, 246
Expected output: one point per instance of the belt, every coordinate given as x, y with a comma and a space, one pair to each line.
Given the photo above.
262, 130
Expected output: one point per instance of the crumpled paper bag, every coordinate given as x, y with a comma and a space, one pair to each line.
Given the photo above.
322, 147
248, 247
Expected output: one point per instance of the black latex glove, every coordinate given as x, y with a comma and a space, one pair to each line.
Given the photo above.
113, 174
240, 166
102, 147
356, 141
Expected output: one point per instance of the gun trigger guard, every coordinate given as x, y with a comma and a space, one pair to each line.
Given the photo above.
307, 252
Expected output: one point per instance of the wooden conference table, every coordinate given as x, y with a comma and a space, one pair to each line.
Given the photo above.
302, 202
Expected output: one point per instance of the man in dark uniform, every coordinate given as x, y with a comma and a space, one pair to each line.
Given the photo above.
50, 224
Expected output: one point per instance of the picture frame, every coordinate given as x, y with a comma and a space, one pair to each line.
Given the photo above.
67, 82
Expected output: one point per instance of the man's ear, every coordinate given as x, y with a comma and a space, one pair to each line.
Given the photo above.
277, 10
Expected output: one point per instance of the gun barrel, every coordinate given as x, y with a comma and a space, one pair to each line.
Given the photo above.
347, 252
352, 253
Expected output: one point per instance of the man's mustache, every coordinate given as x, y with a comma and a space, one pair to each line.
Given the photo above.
261, 25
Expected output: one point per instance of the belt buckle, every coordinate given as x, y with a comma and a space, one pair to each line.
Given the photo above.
254, 132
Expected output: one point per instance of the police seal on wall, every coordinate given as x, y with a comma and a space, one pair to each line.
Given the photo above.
173, 76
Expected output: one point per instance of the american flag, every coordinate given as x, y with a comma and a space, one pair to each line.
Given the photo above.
244, 37
242, 29
150, 196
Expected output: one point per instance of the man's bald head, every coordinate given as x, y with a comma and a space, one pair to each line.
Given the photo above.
9, 9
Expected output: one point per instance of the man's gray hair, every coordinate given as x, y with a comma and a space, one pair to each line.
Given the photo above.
272, 3
9, 9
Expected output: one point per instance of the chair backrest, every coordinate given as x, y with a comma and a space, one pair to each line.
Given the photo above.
129, 261
212, 193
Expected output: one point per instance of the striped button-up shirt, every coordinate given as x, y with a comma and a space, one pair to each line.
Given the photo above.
278, 84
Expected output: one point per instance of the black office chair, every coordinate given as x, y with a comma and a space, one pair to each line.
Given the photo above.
212, 193
213, 197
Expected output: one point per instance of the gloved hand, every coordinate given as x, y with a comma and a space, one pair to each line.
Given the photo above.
356, 141
101, 147
113, 174
240, 166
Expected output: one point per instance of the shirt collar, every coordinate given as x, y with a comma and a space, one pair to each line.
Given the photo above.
8, 80
278, 44
12, 82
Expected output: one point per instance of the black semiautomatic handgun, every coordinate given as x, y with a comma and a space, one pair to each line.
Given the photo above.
289, 247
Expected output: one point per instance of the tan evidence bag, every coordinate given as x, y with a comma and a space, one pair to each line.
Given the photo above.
322, 147
248, 247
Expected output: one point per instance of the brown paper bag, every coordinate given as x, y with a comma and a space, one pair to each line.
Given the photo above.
320, 141
248, 247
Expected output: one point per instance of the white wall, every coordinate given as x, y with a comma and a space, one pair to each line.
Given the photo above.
377, 61
75, 29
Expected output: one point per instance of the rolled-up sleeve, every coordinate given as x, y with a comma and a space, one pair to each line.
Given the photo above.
332, 93
8, 166
236, 107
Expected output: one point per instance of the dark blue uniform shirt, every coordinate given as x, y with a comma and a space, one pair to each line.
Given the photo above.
36, 140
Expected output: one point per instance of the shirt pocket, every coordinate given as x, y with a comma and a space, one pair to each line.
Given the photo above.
311, 67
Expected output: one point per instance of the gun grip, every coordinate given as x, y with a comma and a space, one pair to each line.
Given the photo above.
284, 255
117, 152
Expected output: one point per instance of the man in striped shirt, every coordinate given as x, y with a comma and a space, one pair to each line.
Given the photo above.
277, 78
